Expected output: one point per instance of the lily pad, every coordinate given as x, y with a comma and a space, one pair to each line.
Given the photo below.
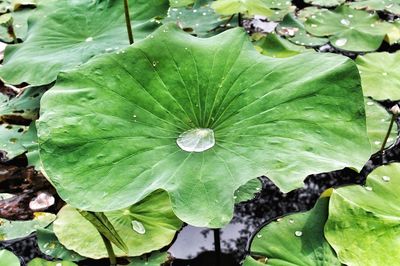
295, 32
296, 239
130, 130
363, 223
199, 19
16, 229
11, 141
325, 3
349, 29
49, 245
26, 105
74, 31
7, 258
146, 226
275, 46
380, 75
378, 120
42, 262
391, 6
272, 9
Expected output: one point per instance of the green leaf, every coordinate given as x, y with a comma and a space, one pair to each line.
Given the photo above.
349, 29
325, 3
11, 141
25, 105
391, 6
146, 226
296, 239
248, 190
103, 226
16, 229
42, 262
380, 75
30, 142
74, 31
363, 224
122, 127
295, 32
49, 245
199, 20
155, 259
19, 23
275, 46
378, 120
7, 258
180, 3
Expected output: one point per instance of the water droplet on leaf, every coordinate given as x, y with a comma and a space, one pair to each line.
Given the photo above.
196, 140
298, 233
138, 227
340, 42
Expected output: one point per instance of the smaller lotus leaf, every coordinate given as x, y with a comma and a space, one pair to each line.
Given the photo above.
180, 3
48, 243
364, 221
275, 46
378, 120
144, 227
25, 105
19, 25
325, 3
199, 19
349, 29
7, 258
16, 229
42, 262
296, 239
74, 31
380, 75
294, 31
309, 11
391, 6
11, 141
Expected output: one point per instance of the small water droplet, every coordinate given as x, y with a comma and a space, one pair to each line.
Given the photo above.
370, 103
279, 219
298, 233
345, 22
259, 236
368, 188
340, 42
350, 16
59, 264
291, 221
384, 73
196, 140
204, 13
138, 227
372, 25
377, 142
386, 178
194, 10
313, 26
234, 197
89, 39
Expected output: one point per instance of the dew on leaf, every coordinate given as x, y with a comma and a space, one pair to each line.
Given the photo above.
340, 42
386, 178
138, 227
89, 39
196, 140
298, 233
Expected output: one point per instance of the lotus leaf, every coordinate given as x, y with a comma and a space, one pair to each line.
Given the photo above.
42, 262
296, 239
380, 75
378, 120
325, 3
11, 141
7, 258
295, 32
349, 29
74, 31
19, 23
198, 118
275, 46
16, 229
144, 227
392, 6
180, 3
364, 221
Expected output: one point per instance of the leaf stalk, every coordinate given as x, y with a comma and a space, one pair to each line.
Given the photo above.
128, 22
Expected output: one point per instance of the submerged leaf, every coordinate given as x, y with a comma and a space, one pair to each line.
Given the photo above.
119, 125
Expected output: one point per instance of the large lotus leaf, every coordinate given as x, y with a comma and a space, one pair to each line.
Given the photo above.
378, 120
272, 9
16, 229
7, 258
349, 29
199, 19
325, 3
11, 141
42, 262
296, 239
392, 6
25, 105
295, 32
275, 46
122, 127
49, 245
364, 222
144, 227
71, 33
380, 75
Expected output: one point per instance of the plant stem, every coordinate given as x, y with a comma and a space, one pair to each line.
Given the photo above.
240, 20
11, 32
110, 251
394, 116
217, 246
128, 21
